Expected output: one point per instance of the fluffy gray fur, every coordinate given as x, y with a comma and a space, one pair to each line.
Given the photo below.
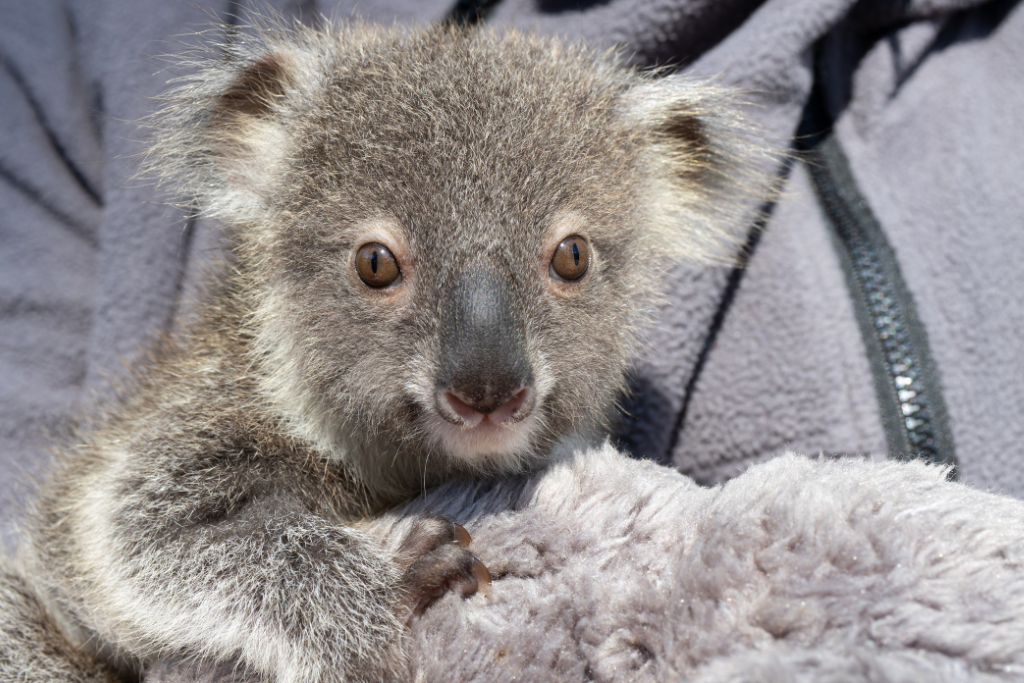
33, 646
225, 506
799, 570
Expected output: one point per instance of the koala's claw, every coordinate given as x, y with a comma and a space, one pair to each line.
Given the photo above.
482, 575
462, 536
437, 561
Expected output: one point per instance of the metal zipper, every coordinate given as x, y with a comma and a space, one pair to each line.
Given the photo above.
906, 383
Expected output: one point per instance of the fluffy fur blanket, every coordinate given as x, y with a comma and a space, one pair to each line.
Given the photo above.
610, 569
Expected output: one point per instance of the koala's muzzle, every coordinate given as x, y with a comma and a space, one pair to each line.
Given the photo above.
484, 370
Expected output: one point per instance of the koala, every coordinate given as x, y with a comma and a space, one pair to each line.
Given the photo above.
441, 242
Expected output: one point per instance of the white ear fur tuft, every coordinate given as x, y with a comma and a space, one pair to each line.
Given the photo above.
223, 135
246, 130
710, 170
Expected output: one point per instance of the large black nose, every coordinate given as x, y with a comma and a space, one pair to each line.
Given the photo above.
483, 348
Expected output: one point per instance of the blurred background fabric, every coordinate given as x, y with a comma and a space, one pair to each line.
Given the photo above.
743, 362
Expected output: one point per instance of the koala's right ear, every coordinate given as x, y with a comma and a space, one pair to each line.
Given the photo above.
223, 136
246, 125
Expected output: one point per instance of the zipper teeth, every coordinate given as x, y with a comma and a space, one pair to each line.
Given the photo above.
906, 384
909, 396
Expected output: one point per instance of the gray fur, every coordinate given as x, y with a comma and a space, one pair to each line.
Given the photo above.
225, 506
33, 647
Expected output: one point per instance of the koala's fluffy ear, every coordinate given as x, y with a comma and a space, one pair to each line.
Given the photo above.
709, 169
223, 136
246, 127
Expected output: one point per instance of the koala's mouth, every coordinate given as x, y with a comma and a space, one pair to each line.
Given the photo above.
470, 428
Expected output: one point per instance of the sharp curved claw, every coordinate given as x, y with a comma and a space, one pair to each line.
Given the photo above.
462, 536
482, 576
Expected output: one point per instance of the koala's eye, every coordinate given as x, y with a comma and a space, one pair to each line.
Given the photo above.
571, 259
376, 265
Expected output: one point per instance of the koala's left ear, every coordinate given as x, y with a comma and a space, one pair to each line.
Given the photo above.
709, 169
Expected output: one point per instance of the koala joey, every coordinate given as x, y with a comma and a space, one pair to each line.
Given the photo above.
441, 243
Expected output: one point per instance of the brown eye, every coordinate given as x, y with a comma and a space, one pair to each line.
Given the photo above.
376, 265
571, 259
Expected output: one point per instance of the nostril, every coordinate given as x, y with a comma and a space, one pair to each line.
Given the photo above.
516, 408
460, 411
467, 413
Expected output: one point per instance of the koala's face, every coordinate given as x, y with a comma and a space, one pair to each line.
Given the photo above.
485, 336
449, 236
461, 256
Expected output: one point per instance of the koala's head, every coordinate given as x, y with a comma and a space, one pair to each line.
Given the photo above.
447, 238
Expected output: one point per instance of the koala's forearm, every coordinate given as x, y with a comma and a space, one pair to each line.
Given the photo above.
282, 590
300, 599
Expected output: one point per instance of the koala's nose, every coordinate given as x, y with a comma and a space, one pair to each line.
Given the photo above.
483, 368
470, 413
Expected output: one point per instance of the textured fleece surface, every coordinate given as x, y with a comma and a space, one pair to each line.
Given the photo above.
610, 569
960, 235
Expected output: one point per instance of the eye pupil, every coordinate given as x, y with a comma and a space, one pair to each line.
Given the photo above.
376, 266
571, 259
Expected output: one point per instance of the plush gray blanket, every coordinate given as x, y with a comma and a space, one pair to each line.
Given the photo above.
609, 569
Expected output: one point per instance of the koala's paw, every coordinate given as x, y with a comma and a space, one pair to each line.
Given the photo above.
436, 560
